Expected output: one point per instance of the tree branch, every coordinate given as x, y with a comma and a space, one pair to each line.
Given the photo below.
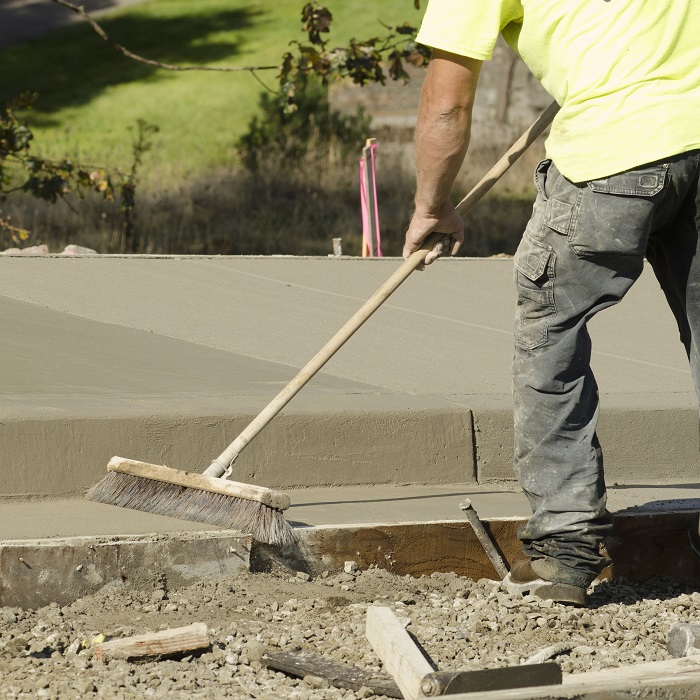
361, 61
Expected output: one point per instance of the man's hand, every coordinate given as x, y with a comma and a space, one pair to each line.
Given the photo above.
446, 221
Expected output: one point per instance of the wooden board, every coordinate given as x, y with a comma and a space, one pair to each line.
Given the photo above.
398, 652
35, 573
307, 663
650, 670
402, 548
654, 544
156, 645
677, 679
642, 546
487, 679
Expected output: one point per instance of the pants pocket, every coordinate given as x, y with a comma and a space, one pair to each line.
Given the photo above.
534, 280
615, 215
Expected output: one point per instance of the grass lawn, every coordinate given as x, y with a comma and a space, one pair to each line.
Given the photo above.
90, 96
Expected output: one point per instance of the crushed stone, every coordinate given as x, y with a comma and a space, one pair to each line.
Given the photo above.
462, 624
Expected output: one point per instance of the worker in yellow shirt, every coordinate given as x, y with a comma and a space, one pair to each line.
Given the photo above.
620, 183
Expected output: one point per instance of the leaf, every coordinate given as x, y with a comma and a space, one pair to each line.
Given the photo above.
286, 68
17, 235
405, 28
396, 69
417, 55
316, 20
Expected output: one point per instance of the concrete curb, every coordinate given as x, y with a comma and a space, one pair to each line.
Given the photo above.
404, 440
649, 443
64, 456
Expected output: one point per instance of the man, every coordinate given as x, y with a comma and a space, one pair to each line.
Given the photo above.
620, 183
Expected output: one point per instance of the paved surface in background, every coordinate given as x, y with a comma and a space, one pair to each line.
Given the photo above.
446, 332
21, 20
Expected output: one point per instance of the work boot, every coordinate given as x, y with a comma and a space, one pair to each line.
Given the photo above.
522, 579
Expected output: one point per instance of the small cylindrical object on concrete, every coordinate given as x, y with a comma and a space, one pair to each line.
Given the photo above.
683, 640
337, 246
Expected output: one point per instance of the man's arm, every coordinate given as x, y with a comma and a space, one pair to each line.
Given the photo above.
441, 140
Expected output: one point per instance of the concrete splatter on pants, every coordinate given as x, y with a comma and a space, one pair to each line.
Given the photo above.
582, 250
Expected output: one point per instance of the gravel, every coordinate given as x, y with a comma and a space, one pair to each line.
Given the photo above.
462, 624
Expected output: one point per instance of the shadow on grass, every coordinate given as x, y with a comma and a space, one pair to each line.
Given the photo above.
73, 65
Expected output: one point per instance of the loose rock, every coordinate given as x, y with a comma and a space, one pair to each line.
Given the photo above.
462, 624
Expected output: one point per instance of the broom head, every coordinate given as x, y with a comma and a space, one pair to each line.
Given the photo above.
190, 496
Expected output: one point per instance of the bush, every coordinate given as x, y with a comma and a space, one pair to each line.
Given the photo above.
279, 136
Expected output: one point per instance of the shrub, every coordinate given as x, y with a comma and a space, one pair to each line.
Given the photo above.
279, 136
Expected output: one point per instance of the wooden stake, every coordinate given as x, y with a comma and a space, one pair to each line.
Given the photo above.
393, 645
370, 248
155, 644
307, 663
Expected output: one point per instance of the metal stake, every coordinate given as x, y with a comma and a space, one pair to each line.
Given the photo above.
480, 531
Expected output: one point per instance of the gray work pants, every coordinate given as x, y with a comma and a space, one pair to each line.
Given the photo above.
582, 250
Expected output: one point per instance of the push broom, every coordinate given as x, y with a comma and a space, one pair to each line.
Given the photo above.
210, 497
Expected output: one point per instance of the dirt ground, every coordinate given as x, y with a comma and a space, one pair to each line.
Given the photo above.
462, 624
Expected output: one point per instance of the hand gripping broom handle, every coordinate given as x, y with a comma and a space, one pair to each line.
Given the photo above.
221, 465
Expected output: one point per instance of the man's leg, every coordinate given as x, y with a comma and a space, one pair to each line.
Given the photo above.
674, 253
582, 251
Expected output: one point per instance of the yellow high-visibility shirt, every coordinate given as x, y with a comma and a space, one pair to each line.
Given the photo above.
625, 72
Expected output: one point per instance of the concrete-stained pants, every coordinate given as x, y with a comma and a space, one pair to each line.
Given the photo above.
582, 250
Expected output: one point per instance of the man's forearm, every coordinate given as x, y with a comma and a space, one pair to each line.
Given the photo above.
442, 137
442, 131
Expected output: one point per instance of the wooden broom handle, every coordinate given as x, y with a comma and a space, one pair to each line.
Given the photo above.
221, 464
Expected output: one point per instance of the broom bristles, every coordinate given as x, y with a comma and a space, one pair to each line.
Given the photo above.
264, 523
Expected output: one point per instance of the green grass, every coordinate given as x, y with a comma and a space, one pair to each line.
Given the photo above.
194, 197
90, 95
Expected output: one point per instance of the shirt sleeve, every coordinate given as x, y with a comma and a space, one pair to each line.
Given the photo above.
467, 27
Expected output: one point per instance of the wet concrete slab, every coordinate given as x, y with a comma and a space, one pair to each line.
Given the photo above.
318, 507
284, 309
166, 359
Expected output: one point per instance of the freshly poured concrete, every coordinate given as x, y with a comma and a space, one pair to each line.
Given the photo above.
167, 359
70, 517
445, 332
